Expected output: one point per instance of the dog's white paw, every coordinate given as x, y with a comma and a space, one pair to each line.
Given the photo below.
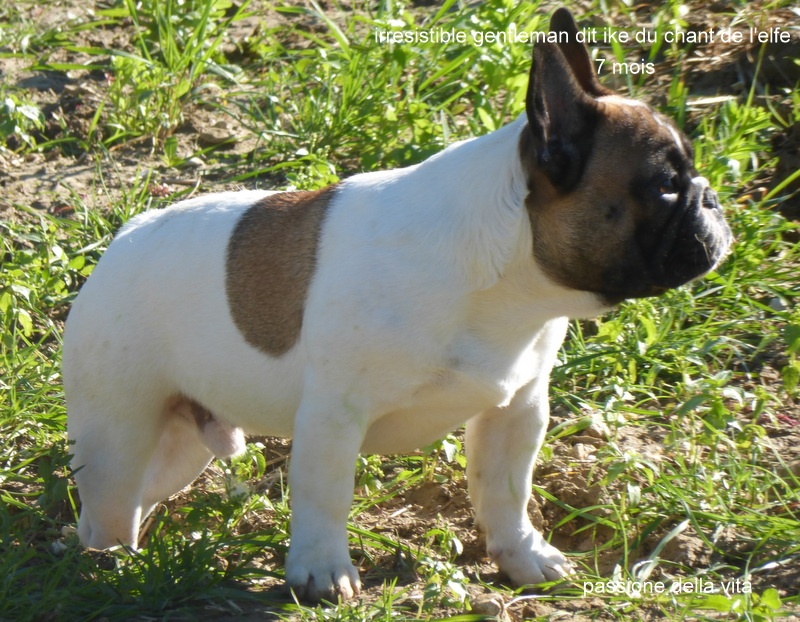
315, 576
530, 560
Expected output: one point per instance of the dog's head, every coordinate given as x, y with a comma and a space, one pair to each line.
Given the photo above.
616, 205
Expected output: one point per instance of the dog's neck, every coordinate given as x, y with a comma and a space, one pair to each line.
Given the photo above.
466, 208
484, 188
478, 203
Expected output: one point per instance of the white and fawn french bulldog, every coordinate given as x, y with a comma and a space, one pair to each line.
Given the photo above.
379, 314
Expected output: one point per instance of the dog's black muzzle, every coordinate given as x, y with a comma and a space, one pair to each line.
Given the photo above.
693, 240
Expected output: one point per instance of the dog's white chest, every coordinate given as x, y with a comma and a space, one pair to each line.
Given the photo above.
480, 377
430, 413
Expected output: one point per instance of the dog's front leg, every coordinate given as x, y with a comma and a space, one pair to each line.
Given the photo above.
502, 444
328, 435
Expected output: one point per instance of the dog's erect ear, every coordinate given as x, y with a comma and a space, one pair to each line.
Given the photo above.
576, 53
560, 104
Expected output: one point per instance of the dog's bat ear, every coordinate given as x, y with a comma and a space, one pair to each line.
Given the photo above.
561, 106
576, 53
561, 118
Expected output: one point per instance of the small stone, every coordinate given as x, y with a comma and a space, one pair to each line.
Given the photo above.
777, 304
583, 452
58, 547
598, 429
215, 136
490, 605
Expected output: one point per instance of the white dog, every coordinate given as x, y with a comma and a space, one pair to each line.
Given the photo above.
379, 314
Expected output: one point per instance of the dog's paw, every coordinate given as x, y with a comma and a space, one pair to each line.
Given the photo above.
530, 560
314, 577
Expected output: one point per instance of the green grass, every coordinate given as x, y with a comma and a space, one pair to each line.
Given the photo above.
706, 378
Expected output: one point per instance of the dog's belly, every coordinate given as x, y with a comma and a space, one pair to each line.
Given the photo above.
430, 414
263, 400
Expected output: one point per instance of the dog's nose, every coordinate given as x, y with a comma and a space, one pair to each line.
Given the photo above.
709, 200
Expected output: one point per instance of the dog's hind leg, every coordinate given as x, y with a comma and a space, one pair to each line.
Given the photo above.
110, 458
125, 467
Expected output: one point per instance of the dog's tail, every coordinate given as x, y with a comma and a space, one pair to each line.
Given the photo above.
222, 439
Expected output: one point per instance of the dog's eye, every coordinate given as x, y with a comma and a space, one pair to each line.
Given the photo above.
668, 184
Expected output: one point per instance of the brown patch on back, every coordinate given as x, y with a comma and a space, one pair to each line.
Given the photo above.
272, 255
